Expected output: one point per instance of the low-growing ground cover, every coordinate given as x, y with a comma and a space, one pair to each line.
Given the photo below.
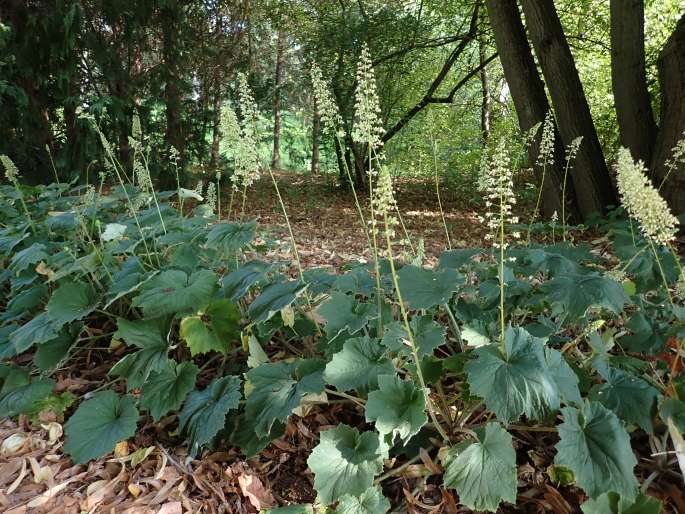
136, 327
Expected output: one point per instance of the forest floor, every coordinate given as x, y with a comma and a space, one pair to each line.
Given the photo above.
153, 473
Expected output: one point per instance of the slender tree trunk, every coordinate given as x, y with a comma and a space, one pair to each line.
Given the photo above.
530, 101
594, 191
672, 78
629, 79
485, 90
316, 134
173, 135
276, 155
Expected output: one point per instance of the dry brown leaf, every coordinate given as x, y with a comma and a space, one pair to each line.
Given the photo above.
171, 508
253, 489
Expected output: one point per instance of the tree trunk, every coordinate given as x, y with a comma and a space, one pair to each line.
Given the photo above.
530, 101
672, 79
629, 80
594, 192
316, 134
276, 155
173, 135
485, 90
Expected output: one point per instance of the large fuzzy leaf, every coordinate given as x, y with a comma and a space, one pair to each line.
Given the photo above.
40, 329
27, 257
631, 398
428, 335
21, 400
99, 424
165, 390
612, 503
397, 407
204, 412
345, 462
150, 337
71, 301
237, 283
274, 298
423, 288
212, 329
230, 237
573, 294
370, 501
174, 292
358, 365
277, 388
342, 312
563, 375
596, 447
483, 472
516, 383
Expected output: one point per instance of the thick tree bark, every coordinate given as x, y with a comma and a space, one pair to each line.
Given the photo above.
316, 135
485, 90
276, 155
629, 79
594, 192
173, 136
672, 78
530, 100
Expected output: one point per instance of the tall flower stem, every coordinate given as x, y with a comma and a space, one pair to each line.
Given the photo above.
437, 190
354, 190
376, 259
536, 211
410, 334
501, 270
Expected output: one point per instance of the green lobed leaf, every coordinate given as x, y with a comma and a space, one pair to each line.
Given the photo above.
516, 383
345, 462
370, 501
397, 407
631, 398
150, 336
99, 424
204, 412
71, 301
423, 288
277, 389
563, 375
573, 294
21, 400
39, 330
483, 472
273, 298
428, 335
173, 291
612, 503
596, 447
230, 237
23, 259
212, 329
237, 283
164, 391
341, 312
358, 365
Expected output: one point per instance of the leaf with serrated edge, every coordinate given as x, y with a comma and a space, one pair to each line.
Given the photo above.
370, 501
99, 424
596, 447
345, 462
358, 364
397, 407
423, 288
204, 412
483, 472
165, 390
516, 383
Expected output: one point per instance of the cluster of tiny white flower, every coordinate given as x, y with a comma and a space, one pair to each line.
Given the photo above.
199, 188
243, 136
643, 202
572, 149
326, 107
680, 286
546, 155
498, 190
384, 202
11, 171
616, 274
367, 118
210, 198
